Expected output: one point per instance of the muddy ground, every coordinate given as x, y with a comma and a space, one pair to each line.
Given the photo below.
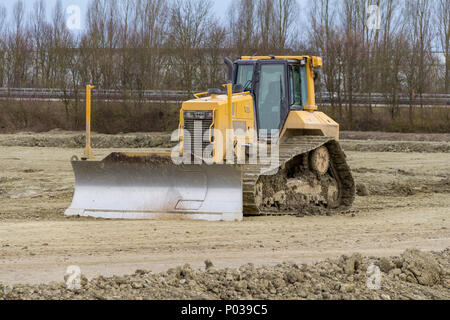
360, 141
403, 202
412, 275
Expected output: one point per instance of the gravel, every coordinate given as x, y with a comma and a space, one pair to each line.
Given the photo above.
412, 275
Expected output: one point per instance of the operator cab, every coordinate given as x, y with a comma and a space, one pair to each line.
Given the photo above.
277, 86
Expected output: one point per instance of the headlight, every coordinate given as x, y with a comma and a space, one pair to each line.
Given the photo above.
200, 115
189, 115
208, 115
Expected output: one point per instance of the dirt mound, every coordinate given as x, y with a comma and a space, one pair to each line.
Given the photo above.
63, 139
386, 146
73, 140
404, 188
394, 136
413, 275
421, 267
362, 190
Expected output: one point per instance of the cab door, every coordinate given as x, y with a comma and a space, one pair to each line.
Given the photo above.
271, 94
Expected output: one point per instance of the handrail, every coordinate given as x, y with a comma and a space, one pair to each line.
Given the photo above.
246, 93
197, 95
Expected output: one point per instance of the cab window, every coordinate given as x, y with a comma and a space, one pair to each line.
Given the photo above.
298, 86
245, 76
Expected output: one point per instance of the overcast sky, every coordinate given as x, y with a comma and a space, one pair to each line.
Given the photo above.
220, 6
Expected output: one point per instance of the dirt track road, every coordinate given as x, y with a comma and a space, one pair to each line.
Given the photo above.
40, 252
409, 207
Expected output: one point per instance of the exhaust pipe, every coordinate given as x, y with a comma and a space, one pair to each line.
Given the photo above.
229, 63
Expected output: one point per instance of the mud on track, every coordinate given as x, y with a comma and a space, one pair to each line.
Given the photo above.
406, 205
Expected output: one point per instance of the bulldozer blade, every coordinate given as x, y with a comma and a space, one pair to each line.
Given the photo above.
121, 187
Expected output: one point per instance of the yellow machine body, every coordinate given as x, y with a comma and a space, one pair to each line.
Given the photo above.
267, 93
241, 107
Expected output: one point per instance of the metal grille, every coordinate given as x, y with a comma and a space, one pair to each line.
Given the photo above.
196, 129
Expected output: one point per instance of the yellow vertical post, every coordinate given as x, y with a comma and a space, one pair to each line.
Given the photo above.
88, 149
311, 103
229, 134
230, 104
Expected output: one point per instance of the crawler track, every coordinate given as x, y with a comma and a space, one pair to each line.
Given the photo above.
294, 189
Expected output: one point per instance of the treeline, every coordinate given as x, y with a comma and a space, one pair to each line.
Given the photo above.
180, 44
399, 57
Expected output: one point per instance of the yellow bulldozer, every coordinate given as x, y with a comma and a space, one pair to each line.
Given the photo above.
259, 148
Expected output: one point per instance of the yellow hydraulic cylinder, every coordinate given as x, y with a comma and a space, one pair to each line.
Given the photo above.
88, 150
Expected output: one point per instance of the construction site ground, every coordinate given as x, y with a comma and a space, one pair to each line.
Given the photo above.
403, 202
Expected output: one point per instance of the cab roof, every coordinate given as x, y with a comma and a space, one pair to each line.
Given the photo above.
274, 57
315, 61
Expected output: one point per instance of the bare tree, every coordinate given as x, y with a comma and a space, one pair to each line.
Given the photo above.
127, 10
152, 19
443, 25
242, 31
322, 37
2, 18
61, 52
390, 46
110, 44
40, 37
17, 48
285, 14
189, 24
419, 35
351, 28
212, 71
94, 41
266, 19
2, 45
175, 44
